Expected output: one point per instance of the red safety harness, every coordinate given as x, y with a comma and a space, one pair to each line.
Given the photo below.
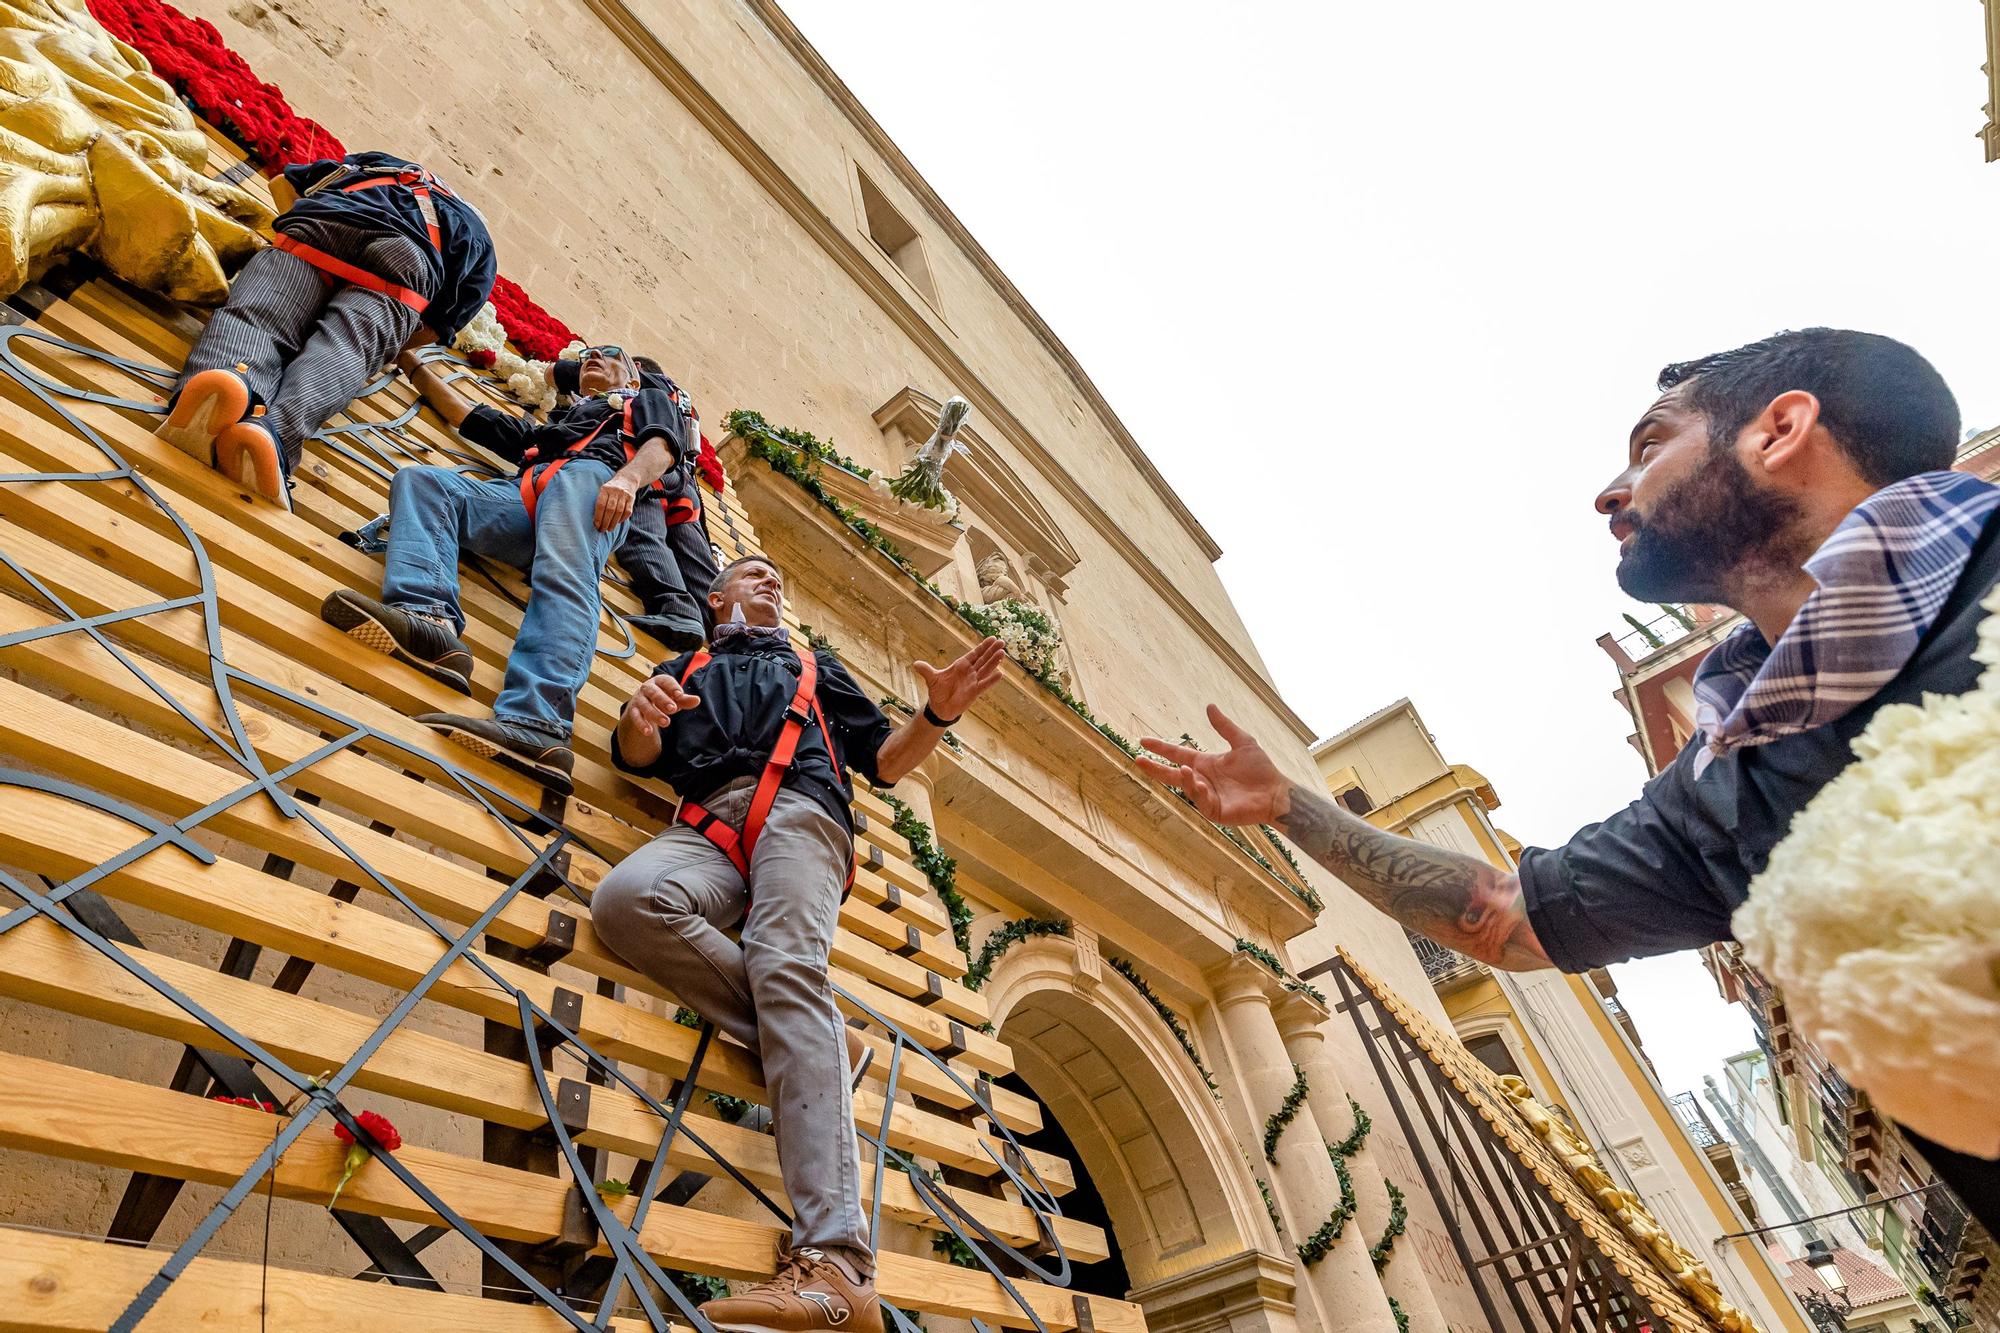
803, 707
679, 509
418, 183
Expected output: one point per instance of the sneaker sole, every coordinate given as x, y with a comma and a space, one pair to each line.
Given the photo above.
372, 634
553, 778
198, 418
253, 465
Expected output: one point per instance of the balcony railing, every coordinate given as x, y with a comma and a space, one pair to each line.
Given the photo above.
1441, 964
1695, 1121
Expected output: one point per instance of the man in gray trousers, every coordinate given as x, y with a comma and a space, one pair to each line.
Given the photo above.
757, 738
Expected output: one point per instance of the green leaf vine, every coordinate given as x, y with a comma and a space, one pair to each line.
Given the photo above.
1270, 1205
1167, 1016
1399, 1213
1402, 1316
1004, 938
1274, 1125
939, 869
1316, 1245
797, 455
1277, 968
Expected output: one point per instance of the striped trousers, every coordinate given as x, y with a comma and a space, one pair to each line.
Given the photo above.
308, 344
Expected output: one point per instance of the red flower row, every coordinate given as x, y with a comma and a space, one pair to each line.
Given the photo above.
190, 55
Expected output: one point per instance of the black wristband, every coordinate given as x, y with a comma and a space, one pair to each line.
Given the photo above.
936, 721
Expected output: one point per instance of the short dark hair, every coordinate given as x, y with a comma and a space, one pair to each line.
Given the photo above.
1887, 407
722, 575
648, 363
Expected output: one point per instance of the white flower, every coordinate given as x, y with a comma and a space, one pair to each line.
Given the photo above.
1879, 914
482, 333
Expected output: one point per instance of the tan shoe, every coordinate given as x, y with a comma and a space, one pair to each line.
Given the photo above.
812, 1293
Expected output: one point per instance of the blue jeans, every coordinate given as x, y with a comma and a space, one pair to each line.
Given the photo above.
434, 513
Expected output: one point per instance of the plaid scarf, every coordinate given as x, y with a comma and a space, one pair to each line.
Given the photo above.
1882, 576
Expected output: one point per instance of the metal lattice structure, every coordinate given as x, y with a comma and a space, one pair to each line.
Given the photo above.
188, 739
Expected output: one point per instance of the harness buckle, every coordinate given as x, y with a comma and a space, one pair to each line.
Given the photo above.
793, 715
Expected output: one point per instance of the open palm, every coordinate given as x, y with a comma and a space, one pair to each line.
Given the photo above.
1239, 785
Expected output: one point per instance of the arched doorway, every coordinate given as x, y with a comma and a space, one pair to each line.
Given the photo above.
1186, 1220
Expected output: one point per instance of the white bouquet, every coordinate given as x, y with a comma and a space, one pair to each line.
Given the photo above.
1879, 914
1027, 635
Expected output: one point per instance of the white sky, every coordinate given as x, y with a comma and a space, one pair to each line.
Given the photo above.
1423, 261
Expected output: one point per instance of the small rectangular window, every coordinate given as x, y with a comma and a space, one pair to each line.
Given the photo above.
898, 240
1356, 800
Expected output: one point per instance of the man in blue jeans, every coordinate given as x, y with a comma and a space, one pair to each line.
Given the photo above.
559, 520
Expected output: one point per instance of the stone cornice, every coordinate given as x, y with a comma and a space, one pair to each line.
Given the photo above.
804, 528
917, 323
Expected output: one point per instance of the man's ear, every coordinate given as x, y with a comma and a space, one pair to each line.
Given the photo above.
1786, 432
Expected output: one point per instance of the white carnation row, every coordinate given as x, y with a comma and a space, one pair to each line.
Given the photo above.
1879, 914
528, 381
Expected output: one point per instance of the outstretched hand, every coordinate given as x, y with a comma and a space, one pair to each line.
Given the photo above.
953, 688
1239, 785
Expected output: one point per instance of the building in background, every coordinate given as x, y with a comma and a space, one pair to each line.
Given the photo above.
1836, 1151
1566, 1036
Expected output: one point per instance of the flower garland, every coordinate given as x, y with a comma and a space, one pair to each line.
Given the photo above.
1274, 1126
1027, 634
939, 869
191, 56
1167, 1016
1004, 938
1399, 1213
1321, 1241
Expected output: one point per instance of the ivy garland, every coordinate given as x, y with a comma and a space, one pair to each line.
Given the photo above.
1321, 1241
1399, 1213
939, 869
1274, 1126
1167, 1016
1402, 1316
819, 642
1003, 939
1317, 1244
796, 455
1270, 1205
1270, 960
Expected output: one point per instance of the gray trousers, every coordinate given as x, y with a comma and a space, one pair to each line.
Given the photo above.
309, 345
664, 908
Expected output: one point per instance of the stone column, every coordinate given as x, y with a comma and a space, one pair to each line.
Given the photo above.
1302, 1179
1299, 1017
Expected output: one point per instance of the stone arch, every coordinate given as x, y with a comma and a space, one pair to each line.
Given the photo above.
1185, 1215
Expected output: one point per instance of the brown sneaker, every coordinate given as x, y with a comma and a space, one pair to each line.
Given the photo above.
418, 640
547, 762
812, 1293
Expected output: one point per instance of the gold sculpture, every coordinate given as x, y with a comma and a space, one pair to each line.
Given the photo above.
1681, 1266
98, 156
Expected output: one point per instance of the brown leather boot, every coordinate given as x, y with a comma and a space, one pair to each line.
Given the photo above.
813, 1292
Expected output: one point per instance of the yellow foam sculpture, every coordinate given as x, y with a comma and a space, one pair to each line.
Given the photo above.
98, 156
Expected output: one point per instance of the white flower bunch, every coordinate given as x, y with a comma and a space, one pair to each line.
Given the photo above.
922, 482
1879, 913
1027, 635
528, 381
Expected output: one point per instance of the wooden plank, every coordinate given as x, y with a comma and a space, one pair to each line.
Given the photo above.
125, 764
64, 1284
114, 1122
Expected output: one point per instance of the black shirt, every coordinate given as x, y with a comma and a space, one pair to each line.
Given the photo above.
730, 734
462, 265
1667, 871
654, 416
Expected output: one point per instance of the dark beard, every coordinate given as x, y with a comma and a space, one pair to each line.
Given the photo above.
1704, 535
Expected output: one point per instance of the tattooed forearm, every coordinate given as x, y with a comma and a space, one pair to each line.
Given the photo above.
1456, 900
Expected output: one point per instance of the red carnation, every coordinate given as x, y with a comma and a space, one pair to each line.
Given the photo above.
378, 1130
710, 466
483, 357
250, 1102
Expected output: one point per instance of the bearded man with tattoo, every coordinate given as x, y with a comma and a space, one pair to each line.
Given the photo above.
1805, 481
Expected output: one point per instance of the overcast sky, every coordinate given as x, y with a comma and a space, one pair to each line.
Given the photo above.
1382, 287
